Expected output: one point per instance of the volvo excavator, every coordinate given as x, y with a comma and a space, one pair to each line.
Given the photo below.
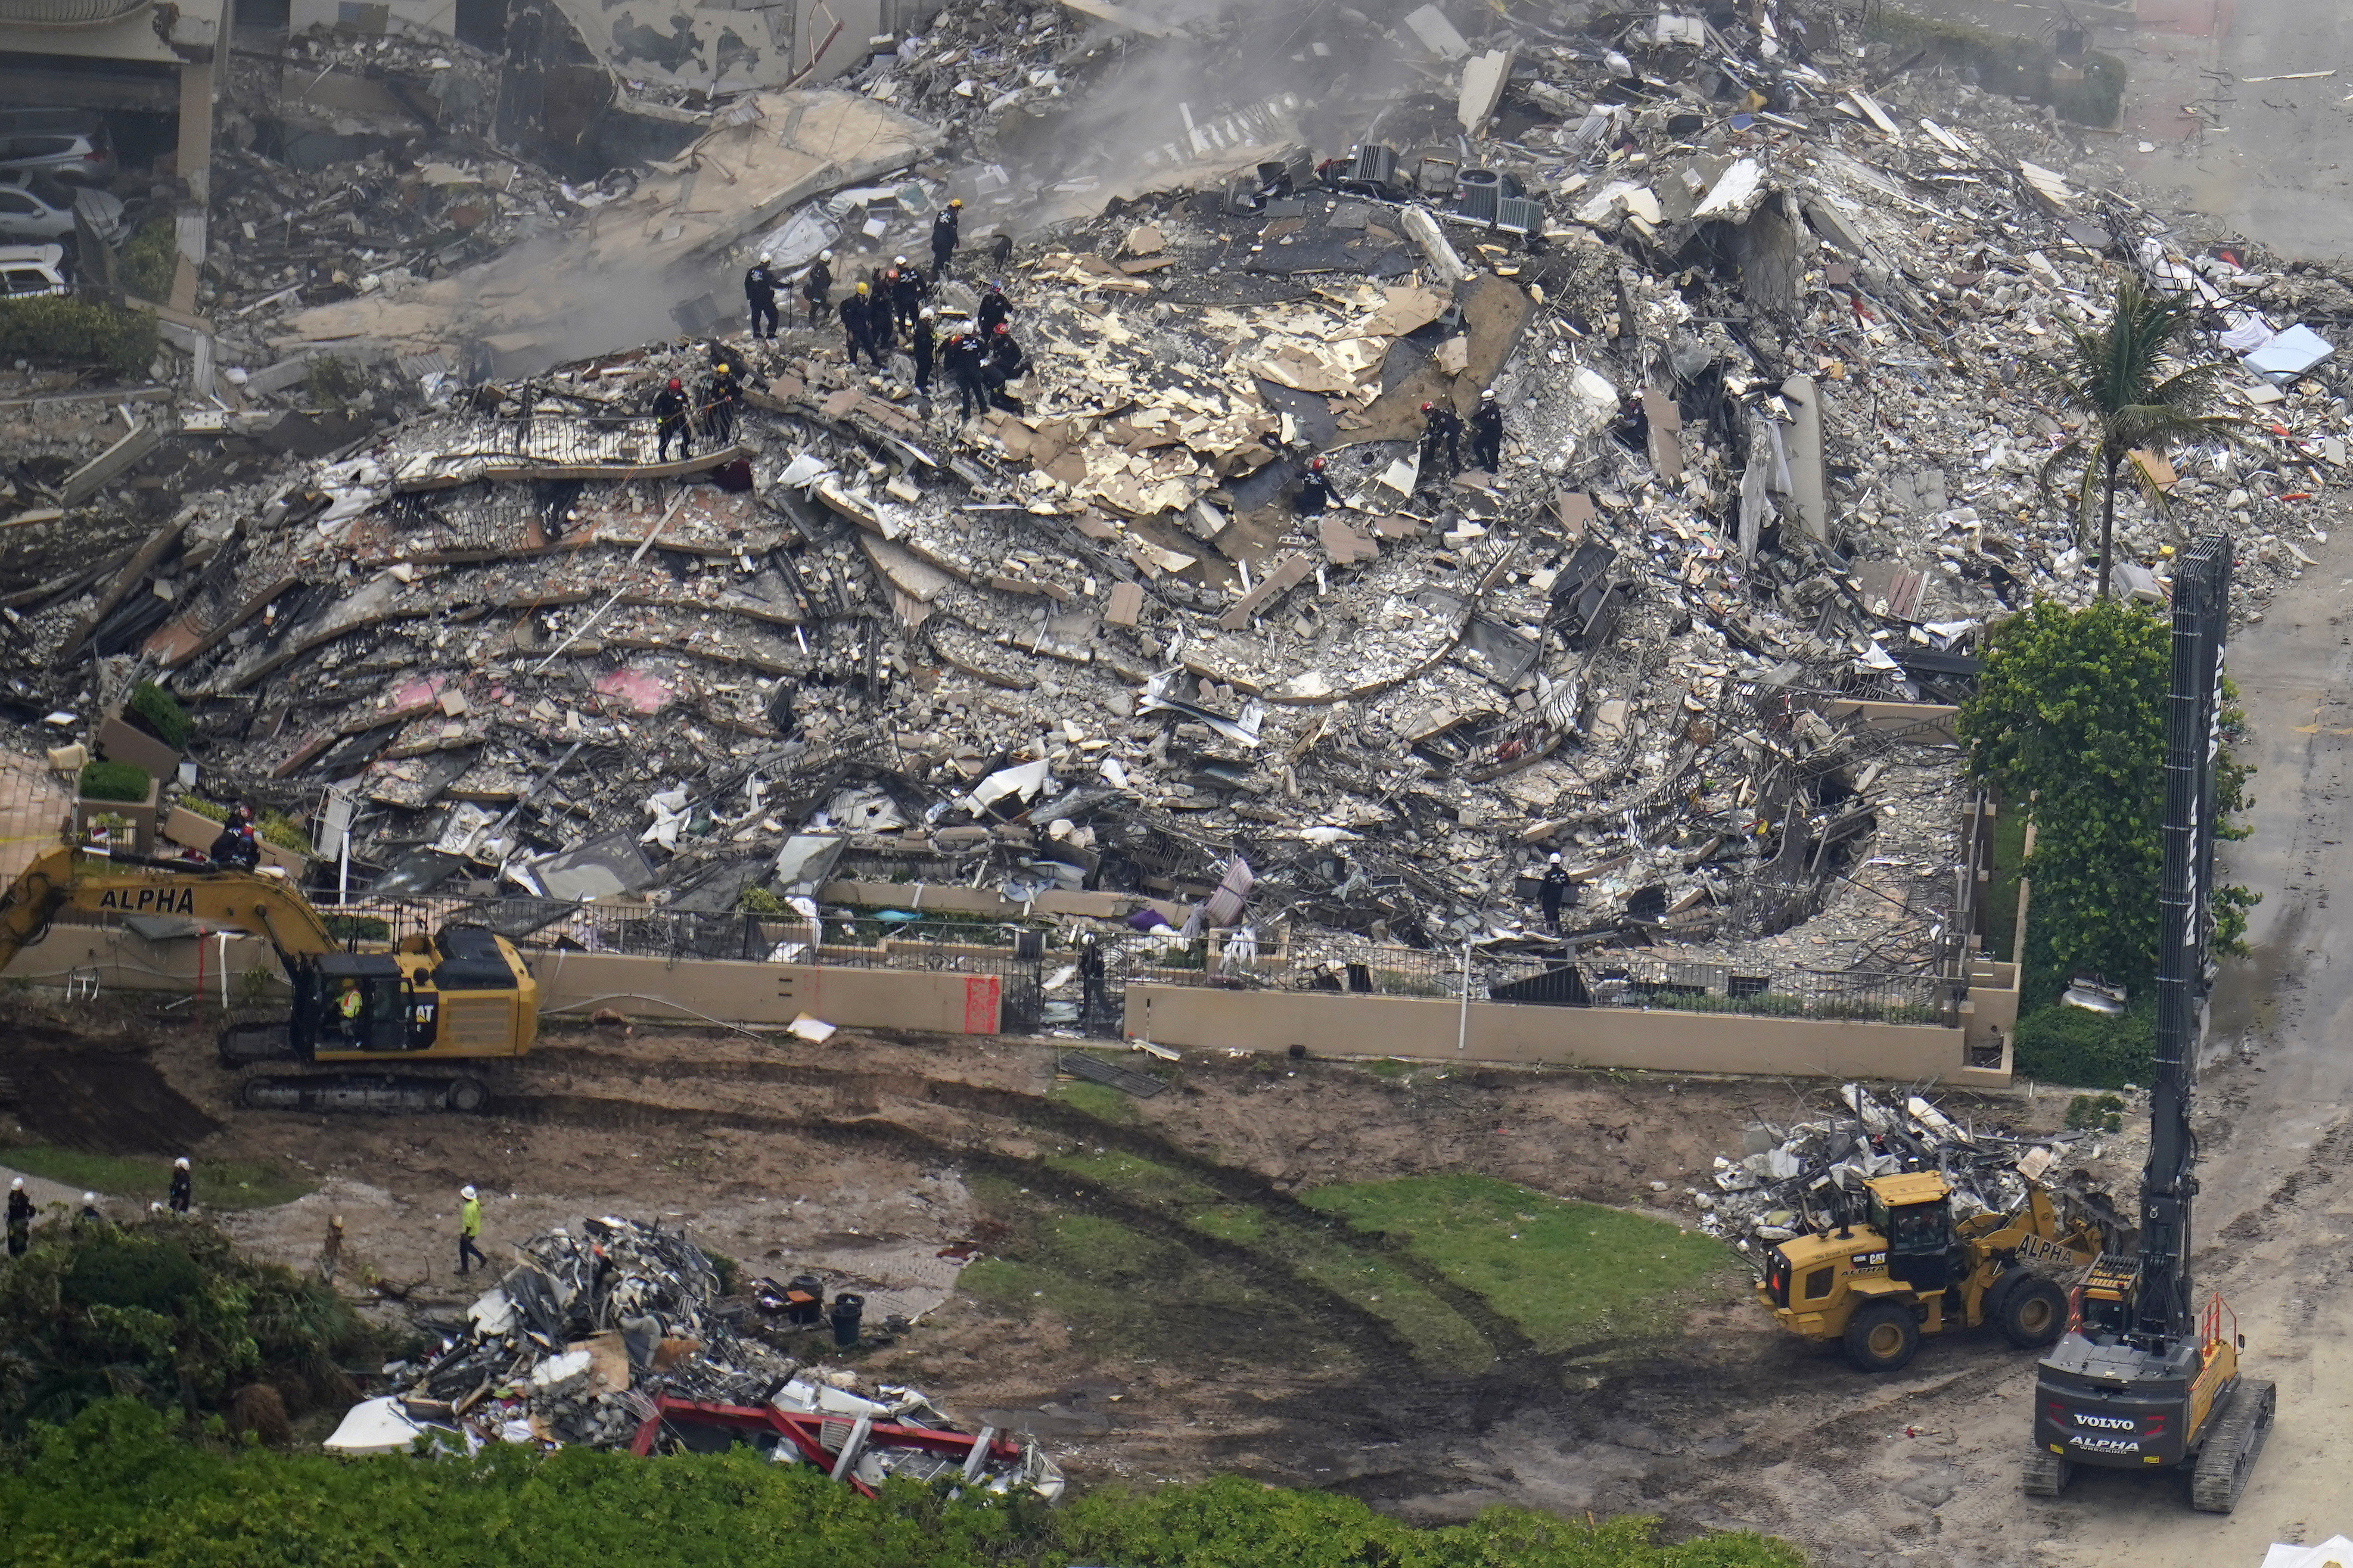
368, 1030
2147, 1378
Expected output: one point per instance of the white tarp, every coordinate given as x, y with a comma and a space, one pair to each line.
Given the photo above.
374, 1427
2336, 1552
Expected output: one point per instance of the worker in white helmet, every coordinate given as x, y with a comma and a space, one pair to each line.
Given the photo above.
817, 286
184, 1187
760, 293
469, 1229
20, 1219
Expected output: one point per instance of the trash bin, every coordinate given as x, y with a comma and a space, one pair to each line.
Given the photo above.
848, 1310
803, 1300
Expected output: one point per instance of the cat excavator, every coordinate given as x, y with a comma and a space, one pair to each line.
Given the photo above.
366, 1029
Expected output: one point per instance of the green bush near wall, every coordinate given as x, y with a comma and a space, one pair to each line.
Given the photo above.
67, 332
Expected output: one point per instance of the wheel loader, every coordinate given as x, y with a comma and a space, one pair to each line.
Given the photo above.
1908, 1270
361, 1023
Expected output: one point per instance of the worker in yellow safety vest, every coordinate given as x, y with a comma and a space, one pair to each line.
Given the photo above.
469, 1229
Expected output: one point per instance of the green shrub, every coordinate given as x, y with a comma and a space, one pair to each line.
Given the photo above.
205, 808
2102, 1113
725, 1267
159, 713
2075, 1045
115, 781
151, 261
68, 332
112, 1489
364, 928
332, 381
760, 901
2013, 67
276, 828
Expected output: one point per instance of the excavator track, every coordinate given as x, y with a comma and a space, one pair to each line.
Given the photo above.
388, 1093
2228, 1460
2044, 1473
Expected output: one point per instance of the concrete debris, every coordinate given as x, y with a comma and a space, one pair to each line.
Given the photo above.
1067, 621
618, 1337
1810, 1176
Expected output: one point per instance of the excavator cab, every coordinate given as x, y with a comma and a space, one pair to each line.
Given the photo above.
357, 1002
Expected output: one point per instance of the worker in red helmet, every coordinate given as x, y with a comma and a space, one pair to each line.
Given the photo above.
1315, 492
670, 410
1441, 431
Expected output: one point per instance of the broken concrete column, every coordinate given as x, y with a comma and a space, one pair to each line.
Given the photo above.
1808, 484
1484, 79
1423, 230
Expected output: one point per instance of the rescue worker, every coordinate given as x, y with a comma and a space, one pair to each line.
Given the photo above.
349, 1005
1006, 359
907, 293
1316, 493
89, 1210
20, 1219
945, 236
1552, 892
331, 1254
1091, 979
817, 286
963, 354
760, 294
995, 310
236, 849
923, 341
857, 325
469, 1229
670, 412
726, 392
1441, 431
1487, 433
184, 1187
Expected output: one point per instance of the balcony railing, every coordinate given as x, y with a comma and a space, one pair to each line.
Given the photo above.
68, 13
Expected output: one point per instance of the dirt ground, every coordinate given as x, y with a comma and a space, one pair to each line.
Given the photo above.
865, 1159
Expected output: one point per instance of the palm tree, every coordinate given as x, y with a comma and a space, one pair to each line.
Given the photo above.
2113, 373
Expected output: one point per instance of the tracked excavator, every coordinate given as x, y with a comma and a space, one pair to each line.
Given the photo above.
367, 1030
2147, 1378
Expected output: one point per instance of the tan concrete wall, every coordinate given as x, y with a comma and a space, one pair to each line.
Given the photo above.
1660, 1040
742, 993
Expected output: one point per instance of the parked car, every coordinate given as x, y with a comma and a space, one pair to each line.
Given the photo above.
68, 145
31, 271
34, 208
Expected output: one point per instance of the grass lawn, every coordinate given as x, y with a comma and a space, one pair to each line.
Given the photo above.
1438, 1333
220, 1184
1101, 1101
1564, 1272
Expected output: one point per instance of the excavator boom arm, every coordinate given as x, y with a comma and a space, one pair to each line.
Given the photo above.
64, 879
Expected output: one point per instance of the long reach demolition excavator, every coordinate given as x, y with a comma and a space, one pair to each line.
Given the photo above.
461, 995
2146, 1378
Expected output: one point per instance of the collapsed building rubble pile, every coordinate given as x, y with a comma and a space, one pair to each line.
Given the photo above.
1810, 1176
1764, 327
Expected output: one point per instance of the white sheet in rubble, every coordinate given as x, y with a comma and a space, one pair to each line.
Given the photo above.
492, 1314
802, 1397
374, 1427
2336, 1551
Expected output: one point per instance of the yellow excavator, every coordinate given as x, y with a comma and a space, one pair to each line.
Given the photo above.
1908, 1270
462, 995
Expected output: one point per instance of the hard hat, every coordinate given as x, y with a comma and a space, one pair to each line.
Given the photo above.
465, 1192
181, 1163
1556, 858
1003, 327
766, 258
721, 371
673, 384
1488, 396
17, 1185
1316, 466
90, 1198
930, 314
825, 255
1428, 406
898, 261
956, 201
861, 288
